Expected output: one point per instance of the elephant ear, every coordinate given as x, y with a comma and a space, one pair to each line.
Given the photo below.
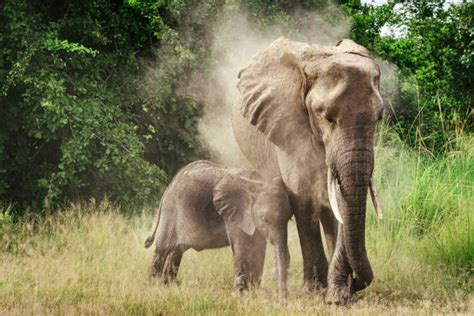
350, 47
234, 203
272, 90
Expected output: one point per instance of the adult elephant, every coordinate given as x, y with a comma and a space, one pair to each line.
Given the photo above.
307, 113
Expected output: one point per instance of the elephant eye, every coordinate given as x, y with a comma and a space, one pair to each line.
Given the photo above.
325, 116
329, 119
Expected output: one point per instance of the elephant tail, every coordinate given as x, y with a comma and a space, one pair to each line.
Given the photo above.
150, 240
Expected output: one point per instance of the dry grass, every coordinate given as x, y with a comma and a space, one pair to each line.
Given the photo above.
90, 259
88, 262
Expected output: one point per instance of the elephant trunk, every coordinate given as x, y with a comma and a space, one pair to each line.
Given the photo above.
283, 258
353, 172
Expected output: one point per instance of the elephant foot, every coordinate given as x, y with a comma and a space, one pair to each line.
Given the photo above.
170, 282
155, 274
240, 284
314, 287
170, 279
341, 294
317, 284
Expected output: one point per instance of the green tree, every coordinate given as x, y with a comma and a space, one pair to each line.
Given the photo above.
433, 48
77, 123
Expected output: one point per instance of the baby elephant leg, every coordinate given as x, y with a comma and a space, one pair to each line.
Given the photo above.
157, 264
171, 268
249, 256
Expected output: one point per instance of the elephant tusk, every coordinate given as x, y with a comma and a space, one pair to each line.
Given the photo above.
332, 196
375, 201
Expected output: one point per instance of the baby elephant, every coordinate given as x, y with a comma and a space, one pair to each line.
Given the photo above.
207, 206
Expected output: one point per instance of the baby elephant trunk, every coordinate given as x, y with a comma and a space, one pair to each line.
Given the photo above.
283, 257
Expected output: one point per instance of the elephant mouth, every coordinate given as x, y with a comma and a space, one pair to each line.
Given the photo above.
334, 192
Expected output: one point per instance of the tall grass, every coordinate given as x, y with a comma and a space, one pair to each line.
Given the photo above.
424, 248
90, 258
439, 208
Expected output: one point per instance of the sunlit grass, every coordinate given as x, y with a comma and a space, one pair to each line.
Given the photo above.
90, 258
96, 263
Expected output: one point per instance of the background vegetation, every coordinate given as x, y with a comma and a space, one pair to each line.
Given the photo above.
90, 258
93, 96
80, 121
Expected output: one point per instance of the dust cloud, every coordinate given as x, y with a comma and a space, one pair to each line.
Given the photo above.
389, 88
236, 41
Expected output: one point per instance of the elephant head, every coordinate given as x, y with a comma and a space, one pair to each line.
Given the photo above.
252, 204
295, 91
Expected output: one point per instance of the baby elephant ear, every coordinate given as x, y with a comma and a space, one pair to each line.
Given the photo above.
234, 203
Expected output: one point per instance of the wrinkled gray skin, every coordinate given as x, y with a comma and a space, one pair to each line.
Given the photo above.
307, 113
207, 206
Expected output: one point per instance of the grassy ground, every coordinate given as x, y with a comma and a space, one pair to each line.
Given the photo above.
91, 259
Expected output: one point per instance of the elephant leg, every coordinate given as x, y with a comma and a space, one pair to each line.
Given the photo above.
157, 263
274, 269
340, 288
329, 224
172, 266
249, 257
241, 270
315, 265
256, 258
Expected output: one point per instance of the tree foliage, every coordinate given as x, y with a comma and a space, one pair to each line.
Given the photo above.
91, 92
77, 120
432, 44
